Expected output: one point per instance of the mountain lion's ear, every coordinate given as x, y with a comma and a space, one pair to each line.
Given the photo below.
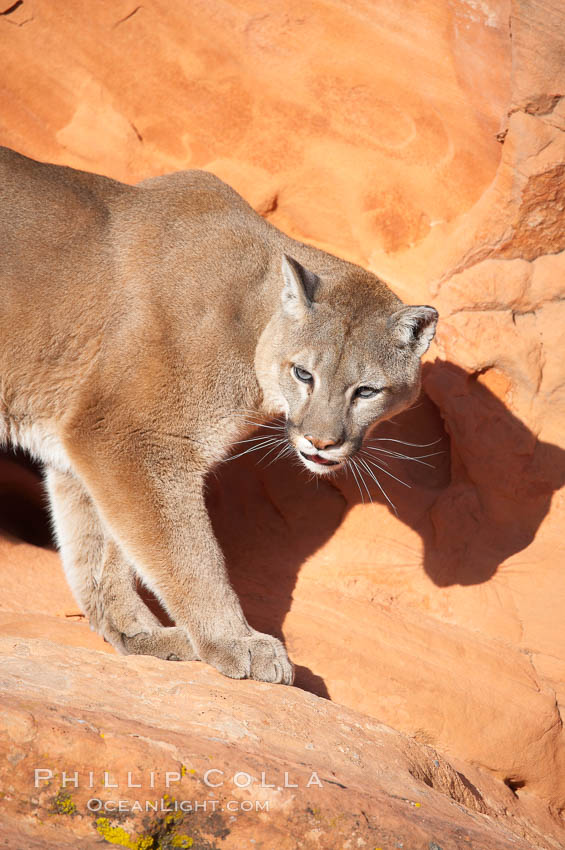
299, 287
414, 327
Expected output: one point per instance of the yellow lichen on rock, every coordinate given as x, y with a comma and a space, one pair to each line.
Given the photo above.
118, 835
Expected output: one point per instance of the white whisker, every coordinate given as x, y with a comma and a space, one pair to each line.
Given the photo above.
364, 452
361, 476
386, 472
379, 485
255, 439
403, 442
274, 448
284, 452
253, 417
255, 413
400, 456
262, 425
273, 426
350, 464
268, 442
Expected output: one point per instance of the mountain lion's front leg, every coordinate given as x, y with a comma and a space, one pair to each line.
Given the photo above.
150, 495
102, 582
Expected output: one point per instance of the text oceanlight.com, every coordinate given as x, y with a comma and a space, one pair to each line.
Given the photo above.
95, 804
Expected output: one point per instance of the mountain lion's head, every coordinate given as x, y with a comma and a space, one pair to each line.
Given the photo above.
338, 359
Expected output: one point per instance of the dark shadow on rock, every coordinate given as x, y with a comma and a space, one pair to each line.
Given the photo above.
308, 681
271, 517
502, 480
484, 499
23, 501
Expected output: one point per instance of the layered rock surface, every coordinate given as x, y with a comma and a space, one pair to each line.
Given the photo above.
269, 766
427, 143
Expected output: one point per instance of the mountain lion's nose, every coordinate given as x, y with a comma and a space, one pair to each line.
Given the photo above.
321, 444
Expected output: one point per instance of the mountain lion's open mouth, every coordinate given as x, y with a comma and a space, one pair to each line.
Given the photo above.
319, 459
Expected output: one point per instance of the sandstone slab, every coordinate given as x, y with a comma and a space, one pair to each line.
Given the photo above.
268, 766
425, 141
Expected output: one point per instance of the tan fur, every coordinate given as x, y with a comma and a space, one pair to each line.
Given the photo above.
140, 329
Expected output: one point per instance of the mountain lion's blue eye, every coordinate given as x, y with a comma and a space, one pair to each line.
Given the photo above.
366, 392
302, 375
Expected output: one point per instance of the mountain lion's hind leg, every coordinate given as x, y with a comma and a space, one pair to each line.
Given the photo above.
102, 581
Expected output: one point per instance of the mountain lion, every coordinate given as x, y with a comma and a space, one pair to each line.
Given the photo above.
142, 330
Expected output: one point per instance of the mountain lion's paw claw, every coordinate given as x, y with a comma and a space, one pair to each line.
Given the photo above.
258, 656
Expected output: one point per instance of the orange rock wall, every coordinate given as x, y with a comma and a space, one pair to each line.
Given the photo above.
425, 141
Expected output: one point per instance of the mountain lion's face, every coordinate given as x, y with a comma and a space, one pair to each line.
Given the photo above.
338, 360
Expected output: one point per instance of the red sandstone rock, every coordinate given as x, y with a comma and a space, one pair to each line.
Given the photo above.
425, 143
324, 776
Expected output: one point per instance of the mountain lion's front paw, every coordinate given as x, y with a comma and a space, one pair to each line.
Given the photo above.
170, 643
258, 656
